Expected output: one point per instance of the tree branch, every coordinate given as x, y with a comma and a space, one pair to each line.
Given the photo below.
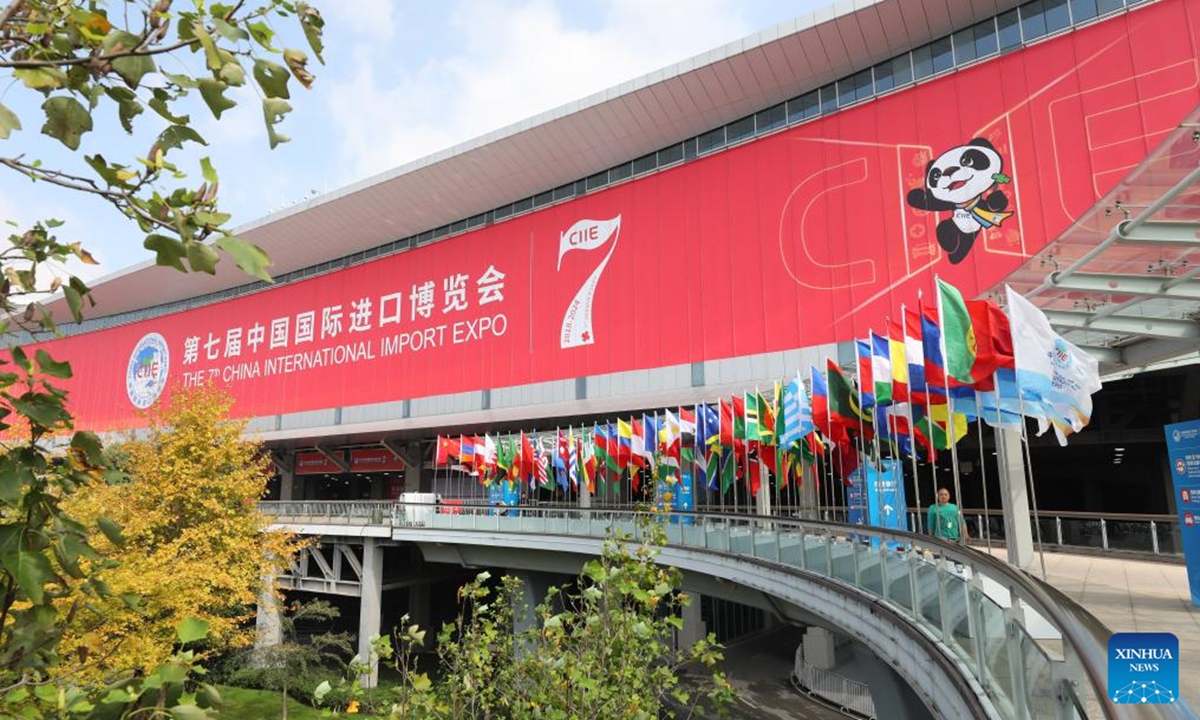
106, 58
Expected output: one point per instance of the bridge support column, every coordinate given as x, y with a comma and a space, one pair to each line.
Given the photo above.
1014, 498
820, 647
290, 488
267, 627
808, 493
693, 630
533, 591
416, 477
419, 606
370, 608
585, 495
763, 500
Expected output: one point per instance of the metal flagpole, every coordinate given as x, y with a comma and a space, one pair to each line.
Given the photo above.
950, 422
1037, 520
911, 426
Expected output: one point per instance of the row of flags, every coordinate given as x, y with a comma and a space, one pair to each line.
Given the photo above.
915, 388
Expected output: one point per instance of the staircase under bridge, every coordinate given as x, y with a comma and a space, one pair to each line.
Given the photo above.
969, 634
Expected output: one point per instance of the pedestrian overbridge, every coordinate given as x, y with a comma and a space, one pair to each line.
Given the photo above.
972, 636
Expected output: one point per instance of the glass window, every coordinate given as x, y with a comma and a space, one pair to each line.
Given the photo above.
922, 61
620, 172
1010, 29
1033, 20
646, 163
562, 192
943, 54
862, 85
828, 99
739, 129
502, 212
711, 140
458, 226
1107, 6
477, 220
845, 92
883, 77
902, 72
544, 198
522, 205
985, 39
1083, 10
771, 118
802, 107
670, 154
964, 45
598, 180
689, 149
1058, 16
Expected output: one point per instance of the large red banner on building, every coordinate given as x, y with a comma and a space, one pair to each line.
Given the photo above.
811, 235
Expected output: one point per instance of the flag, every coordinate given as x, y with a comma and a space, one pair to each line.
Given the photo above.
624, 444
993, 340
820, 404
753, 428
572, 459
881, 370
446, 449
649, 439
588, 465
793, 397
504, 457
726, 432
766, 418
1050, 370
959, 344
708, 431
866, 382
541, 471
670, 439
899, 362
687, 423
466, 450
914, 353
843, 405
739, 419
528, 461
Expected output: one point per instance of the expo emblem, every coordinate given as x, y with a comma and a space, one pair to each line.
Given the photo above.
146, 375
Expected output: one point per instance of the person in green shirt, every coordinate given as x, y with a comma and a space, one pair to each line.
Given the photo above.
944, 519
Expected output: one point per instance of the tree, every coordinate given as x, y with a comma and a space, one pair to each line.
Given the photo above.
194, 543
281, 666
601, 649
88, 65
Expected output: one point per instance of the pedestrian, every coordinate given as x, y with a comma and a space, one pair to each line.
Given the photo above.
945, 520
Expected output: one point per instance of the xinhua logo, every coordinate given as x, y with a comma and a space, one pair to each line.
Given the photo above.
1143, 668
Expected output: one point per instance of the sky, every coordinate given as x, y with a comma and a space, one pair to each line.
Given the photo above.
402, 80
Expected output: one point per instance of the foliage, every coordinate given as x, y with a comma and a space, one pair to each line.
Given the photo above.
169, 690
599, 649
83, 63
291, 661
194, 542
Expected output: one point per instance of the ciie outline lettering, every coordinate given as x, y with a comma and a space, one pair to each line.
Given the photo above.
585, 234
149, 366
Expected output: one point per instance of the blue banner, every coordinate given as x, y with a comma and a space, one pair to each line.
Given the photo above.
876, 496
1183, 449
504, 495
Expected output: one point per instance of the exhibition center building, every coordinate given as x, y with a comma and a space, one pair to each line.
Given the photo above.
712, 228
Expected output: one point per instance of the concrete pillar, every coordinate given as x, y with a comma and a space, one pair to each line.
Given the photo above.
370, 608
763, 500
290, 487
1014, 498
820, 647
420, 607
585, 495
694, 629
267, 627
808, 493
417, 477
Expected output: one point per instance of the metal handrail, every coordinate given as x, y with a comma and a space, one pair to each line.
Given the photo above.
1086, 636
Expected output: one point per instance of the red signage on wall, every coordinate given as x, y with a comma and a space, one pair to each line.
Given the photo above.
368, 460
315, 463
812, 235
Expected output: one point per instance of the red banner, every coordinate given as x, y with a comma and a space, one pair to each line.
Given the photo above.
809, 236
315, 463
370, 460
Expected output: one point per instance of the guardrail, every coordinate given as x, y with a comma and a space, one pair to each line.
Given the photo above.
1033, 651
1151, 534
847, 694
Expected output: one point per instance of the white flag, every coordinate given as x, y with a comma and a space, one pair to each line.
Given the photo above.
1051, 369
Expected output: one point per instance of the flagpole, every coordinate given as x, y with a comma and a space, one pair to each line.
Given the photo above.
1037, 520
950, 420
911, 425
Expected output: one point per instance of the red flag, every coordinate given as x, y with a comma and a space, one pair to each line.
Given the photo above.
446, 448
528, 460
993, 342
726, 424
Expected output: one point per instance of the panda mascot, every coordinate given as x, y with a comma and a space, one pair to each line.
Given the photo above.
961, 181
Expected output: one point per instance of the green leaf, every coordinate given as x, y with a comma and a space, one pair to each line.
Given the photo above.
14, 474
202, 258
49, 366
191, 630
272, 78
211, 694
8, 122
248, 256
32, 571
273, 111
89, 444
211, 56
50, 78
41, 409
233, 73
229, 31
131, 68
66, 120
213, 92
206, 169
118, 695
111, 530
1001, 178
168, 251
176, 135
262, 34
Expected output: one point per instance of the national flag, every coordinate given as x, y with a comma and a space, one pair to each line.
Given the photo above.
726, 435
899, 362
914, 353
562, 450
528, 460
753, 410
446, 448
881, 369
670, 439
466, 450
649, 438
766, 418
588, 464
959, 345
993, 340
866, 382
738, 404
820, 404
843, 405
504, 456
572, 459
687, 424
485, 459
624, 444
541, 472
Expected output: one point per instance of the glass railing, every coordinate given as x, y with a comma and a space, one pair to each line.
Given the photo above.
1028, 650
1125, 532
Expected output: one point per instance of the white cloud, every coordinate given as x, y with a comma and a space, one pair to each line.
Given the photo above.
505, 61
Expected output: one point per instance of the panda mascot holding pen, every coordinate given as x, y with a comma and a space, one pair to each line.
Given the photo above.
963, 181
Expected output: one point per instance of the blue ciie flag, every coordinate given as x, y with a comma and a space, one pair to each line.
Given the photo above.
1143, 668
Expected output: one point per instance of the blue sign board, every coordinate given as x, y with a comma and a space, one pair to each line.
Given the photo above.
674, 492
504, 494
1183, 449
876, 495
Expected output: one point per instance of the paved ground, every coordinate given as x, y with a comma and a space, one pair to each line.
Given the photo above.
1134, 596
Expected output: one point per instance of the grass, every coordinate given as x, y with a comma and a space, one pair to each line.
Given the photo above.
262, 705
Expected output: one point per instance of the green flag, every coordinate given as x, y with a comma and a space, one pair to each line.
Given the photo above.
958, 333
750, 428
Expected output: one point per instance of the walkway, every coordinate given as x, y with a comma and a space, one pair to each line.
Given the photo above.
1134, 596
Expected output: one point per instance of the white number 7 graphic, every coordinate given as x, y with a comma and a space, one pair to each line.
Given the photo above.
585, 235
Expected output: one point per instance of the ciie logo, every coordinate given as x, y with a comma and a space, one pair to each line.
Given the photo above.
1061, 355
146, 375
585, 235
1143, 668
1176, 436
